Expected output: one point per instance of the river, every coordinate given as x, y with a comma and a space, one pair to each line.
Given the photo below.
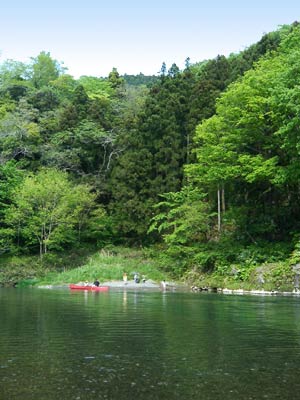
56, 344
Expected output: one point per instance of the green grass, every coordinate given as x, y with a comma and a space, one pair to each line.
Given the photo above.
106, 265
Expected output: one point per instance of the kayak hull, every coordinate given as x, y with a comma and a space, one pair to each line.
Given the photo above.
89, 288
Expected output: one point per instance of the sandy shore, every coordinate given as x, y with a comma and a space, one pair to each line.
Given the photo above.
149, 284
132, 285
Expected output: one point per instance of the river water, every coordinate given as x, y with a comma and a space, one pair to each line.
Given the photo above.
56, 344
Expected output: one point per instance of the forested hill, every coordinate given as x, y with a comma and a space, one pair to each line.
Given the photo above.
204, 161
140, 79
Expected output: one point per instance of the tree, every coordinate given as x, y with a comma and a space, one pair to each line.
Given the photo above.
10, 178
183, 218
115, 80
44, 70
84, 150
156, 149
250, 147
99, 88
46, 210
19, 134
163, 69
13, 79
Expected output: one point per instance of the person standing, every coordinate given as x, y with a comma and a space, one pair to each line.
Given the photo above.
163, 284
125, 278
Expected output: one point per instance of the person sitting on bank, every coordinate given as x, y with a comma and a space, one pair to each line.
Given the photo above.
96, 283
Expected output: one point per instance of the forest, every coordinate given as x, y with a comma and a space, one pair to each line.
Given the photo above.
201, 166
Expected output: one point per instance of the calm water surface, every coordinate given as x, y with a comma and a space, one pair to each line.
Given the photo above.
147, 345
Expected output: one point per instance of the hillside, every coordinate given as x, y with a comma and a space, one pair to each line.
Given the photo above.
202, 165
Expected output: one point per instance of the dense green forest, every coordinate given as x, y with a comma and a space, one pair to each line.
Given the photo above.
200, 164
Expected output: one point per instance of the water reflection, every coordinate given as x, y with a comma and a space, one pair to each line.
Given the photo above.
142, 345
125, 299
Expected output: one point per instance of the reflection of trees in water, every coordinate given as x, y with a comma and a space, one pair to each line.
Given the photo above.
144, 345
92, 339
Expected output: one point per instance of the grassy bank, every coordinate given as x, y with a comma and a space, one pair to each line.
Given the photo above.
109, 264
105, 264
18, 269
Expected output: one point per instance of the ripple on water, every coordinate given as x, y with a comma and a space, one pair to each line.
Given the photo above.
147, 346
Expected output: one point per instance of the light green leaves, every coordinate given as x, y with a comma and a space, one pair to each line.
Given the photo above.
49, 210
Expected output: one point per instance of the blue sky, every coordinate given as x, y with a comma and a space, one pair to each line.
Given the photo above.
91, 37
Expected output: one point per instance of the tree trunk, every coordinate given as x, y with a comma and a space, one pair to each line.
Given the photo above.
41, 248
223, 199
219, 210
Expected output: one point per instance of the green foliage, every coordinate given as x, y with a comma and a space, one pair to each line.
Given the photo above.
13, 83
100, 153
246, 147
85, 149
15, 269
231, 265
44, 70
44, 99
27, 270
19, 133
10, 179
49, 211
64, 86
156, 149
140, 79
96, 87
115, 80
184, 218
159, 143
295, 254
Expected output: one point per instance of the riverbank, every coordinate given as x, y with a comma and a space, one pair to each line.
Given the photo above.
108, 266
255, 292
275, 277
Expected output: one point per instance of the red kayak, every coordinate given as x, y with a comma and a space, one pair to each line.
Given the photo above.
92, 288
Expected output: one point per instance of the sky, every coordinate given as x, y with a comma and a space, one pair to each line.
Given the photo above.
91, 37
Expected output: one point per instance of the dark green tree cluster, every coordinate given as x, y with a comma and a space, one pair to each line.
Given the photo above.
140, 79
160, 143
